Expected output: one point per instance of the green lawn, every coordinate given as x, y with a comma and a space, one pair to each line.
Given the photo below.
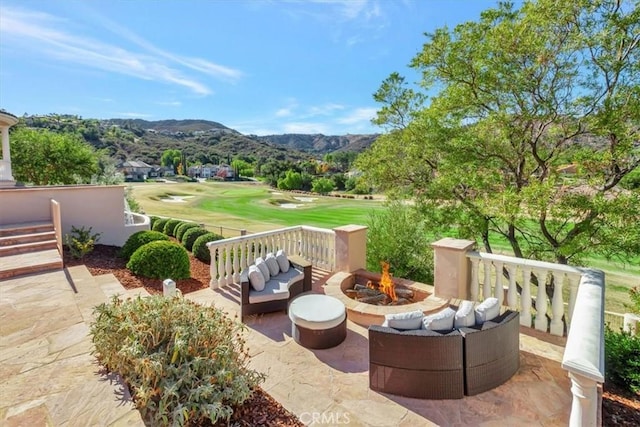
256, 207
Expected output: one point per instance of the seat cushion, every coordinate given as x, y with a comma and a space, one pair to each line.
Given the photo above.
317, 312
264, 268
274, 268
404, 321
256, 279
276, 288
465, 315
488, 309
440, 321
283, 261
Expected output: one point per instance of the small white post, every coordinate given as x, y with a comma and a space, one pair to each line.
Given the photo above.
168, 288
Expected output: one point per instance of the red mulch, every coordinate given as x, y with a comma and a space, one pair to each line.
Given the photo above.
619, 407
261, 409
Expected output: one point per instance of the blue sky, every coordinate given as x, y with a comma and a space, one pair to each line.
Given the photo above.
259, 66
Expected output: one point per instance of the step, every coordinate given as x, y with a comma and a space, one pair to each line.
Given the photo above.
27, 238
29, 263
25, 228
88, 293
28, 247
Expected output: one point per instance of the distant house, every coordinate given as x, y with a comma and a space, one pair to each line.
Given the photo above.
135, 170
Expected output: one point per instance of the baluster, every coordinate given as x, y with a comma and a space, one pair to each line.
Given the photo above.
512, 293
499, 290
574, 281
557, 305
228, 270
474, 279
222, 254
541, 301
525, 298
486, 286
213, 268
236, 263
245, 260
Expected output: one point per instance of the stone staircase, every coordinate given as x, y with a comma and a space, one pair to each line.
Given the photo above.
28, 248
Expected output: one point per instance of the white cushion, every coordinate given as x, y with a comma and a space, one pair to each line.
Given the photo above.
256, 279
274, 268
264, 268
404, 321
489, 309
317, 311
273, 290
465, 315
440, 321
283, 262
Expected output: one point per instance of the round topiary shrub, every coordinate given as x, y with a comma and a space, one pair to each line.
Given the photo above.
159, 224
160, 260
138, 239
152, 220
170, 227
175, 354
180, 229
189, 237
200, 249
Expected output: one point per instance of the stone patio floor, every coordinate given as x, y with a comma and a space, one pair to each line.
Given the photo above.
49, 378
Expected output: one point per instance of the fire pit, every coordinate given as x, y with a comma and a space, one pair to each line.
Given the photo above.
384, 292
342, 285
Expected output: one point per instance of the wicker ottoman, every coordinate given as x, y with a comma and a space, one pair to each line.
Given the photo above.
318, 321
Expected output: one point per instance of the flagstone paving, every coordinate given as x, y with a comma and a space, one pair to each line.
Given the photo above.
49, 378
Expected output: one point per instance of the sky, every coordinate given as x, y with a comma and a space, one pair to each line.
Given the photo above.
258, 66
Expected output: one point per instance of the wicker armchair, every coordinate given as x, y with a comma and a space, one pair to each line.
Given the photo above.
491, 353
300, 265
417, 363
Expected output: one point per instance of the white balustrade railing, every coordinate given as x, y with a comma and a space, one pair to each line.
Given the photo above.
229, 257
5, 170
520, 270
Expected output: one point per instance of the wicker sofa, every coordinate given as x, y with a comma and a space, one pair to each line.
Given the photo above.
444, 365
297, 280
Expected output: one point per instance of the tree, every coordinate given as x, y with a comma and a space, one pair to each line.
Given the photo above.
322, 186
42, 157
171, 158
291, 181
522, 93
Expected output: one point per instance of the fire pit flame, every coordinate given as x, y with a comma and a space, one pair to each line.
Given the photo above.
386, 283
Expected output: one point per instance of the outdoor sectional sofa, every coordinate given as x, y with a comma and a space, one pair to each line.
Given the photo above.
278, 291
428, 364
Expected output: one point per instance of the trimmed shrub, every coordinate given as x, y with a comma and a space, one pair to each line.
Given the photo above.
138, 239
152, 220
182, 360
170, 227
180, 229
160, 260
159, 224
200, 249
189, 237
622, 359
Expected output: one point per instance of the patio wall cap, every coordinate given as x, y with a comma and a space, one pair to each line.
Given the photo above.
7, 119
451, 243
351, 228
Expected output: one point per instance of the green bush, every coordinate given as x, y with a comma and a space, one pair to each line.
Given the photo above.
200, 249
160, 260
189, 237
159, 224
398, 236
622, 359
81, 242
152, 220
180, 229
185, 363
170, 227
138, 239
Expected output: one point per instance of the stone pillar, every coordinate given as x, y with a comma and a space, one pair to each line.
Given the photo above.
584, 407
452, 268
6, 155
631, 323
351, 248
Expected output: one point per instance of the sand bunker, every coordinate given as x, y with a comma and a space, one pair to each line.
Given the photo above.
176, 199
306, 199
288, 205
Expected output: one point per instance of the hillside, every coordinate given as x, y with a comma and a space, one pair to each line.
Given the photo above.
200, 140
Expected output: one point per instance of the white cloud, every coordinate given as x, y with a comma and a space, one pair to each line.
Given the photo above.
45, 34
324, 110
134, 115
305, 127
359, 115
284, 112
170, 103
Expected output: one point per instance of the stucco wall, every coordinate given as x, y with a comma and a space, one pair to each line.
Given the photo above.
99, 207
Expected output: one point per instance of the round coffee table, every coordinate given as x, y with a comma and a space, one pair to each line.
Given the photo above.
318, 321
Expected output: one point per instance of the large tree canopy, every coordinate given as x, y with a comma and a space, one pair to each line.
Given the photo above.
506, 106
42, 157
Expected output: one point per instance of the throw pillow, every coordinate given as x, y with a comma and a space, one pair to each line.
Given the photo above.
440, 321
465, 315
256, 279
283, 261
489, 309
404, 321
264, 269
274, 268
